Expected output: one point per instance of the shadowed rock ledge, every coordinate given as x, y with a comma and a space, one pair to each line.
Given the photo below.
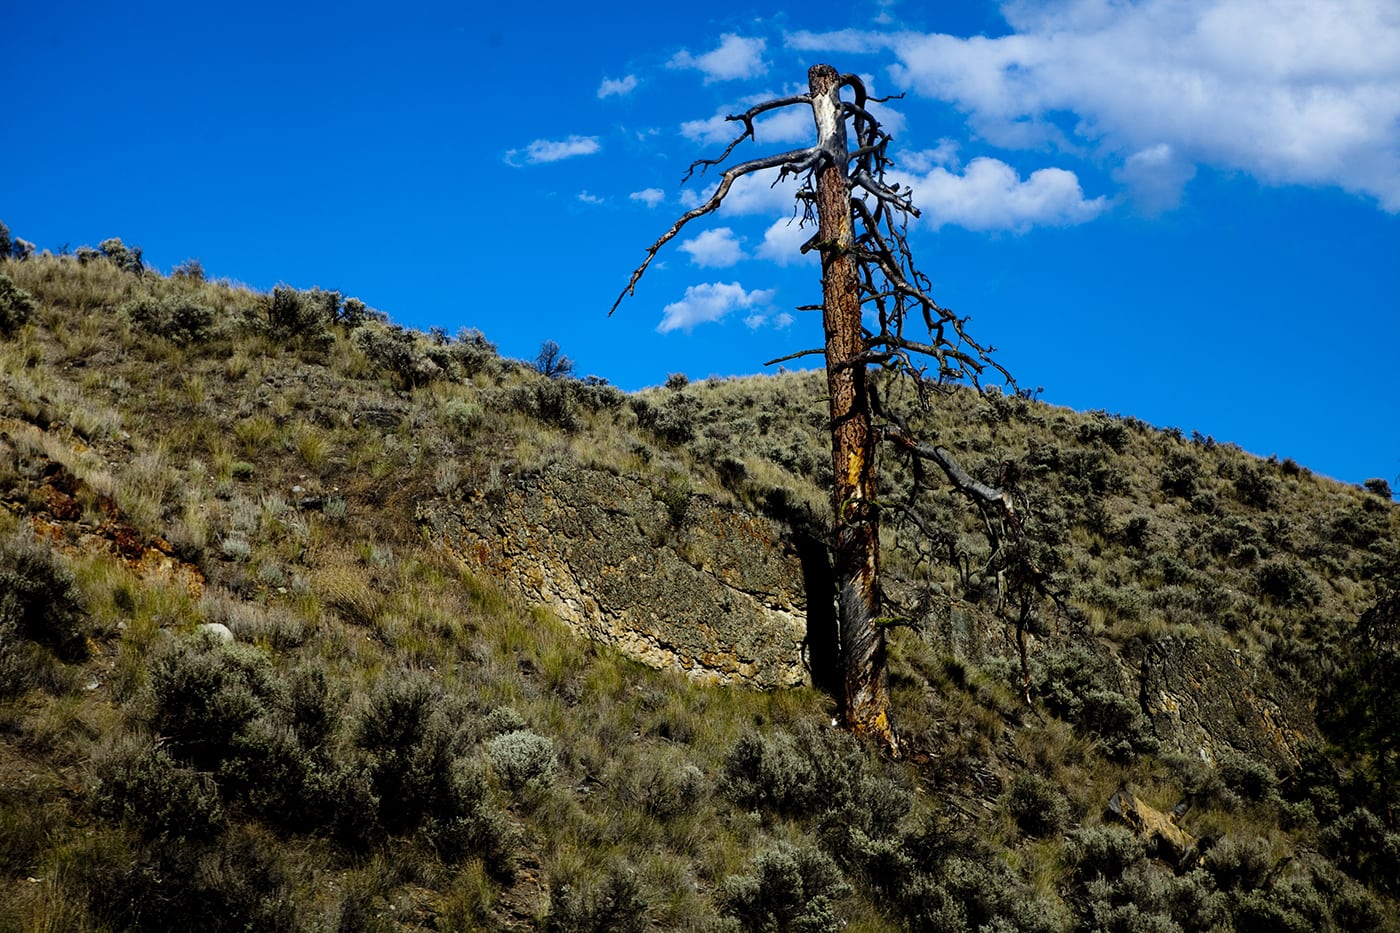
670, 579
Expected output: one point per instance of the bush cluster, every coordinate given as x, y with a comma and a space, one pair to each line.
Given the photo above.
301, 317
1071, 684
227, 733
1037, 805
176, 318
42, 622
673, 420
818, 774
929, 880
16, 305
789, 888
616, 906
397, 351
413, 775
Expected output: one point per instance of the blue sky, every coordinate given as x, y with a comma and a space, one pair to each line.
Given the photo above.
1182, 210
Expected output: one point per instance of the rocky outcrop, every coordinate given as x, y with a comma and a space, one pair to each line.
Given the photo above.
1204, 699
670, 579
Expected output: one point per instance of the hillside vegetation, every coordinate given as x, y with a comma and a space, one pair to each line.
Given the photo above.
243, 688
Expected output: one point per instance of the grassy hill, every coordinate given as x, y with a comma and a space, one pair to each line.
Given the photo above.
242, 687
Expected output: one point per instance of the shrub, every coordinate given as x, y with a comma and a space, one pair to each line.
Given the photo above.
466, 417
126, 258
1380, 487
1068, 681
1180, 474
412, 747
553, 403
395, 350
231, 884
1239, 863
677, 381
819, 774
522, 759
174, 318
1255, 781
191, 270
788, 888
616, 907
1037, 805
1361, 845
204, 693
1103, 852
1287, 584
296, 316
414, 778
140, 784
473, 352
666, 792
16, 305
39, 598
551, 362
674, 420
1255, 488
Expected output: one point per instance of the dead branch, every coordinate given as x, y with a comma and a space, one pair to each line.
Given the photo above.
794, 162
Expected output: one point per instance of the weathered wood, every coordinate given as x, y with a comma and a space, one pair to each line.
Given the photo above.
856, 560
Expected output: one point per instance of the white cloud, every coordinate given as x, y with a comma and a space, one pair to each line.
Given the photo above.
780, 321
786, 125
782, 243
617, 87
711, 131
736, 57
755, 193
1290, 91
716, 249
1155, 178
548, 150
709, 302
649, 196
587, 198
990, 195
850, 41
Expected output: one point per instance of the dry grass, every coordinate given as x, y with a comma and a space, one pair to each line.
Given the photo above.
203, 445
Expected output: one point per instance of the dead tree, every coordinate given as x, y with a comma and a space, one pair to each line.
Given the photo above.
871, 292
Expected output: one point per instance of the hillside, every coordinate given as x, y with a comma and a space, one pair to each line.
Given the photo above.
309, 622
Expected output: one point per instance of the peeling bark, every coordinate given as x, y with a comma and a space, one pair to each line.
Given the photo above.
866, 695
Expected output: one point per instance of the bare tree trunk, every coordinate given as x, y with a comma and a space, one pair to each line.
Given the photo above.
866, 682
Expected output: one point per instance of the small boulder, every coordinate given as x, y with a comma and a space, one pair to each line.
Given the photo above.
215, 631
1158, 831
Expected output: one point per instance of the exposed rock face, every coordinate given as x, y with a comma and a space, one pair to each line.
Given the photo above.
1203, 700
672, 580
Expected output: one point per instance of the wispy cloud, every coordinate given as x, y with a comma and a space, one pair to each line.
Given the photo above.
780, 321
787, 125
714, 249
649, 196
553, 150
587, 198
990, 195
1291, 92
782, 243
736, 57
850, 41
617, 87
755, 193
710, 302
